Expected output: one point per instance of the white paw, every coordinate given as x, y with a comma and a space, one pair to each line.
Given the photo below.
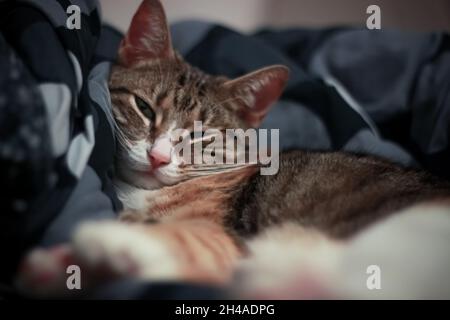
124, 250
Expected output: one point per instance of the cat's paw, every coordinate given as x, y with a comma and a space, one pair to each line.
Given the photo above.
124, 250
43, 271
103, 251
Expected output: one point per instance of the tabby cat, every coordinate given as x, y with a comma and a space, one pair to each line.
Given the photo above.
192, 222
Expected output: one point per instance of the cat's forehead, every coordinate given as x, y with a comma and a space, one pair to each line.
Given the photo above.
166, 75
178, 92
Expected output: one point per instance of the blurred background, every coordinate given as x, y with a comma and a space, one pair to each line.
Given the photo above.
247, 15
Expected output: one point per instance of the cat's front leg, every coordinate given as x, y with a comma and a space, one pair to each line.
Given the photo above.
103, 251
197, 250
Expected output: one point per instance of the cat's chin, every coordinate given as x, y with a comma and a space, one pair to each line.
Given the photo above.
149, 180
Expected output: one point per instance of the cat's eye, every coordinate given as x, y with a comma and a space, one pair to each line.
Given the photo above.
145, 108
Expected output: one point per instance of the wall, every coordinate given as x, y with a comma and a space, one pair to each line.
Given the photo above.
250, 14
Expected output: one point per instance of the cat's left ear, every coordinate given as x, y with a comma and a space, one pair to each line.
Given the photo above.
148, 36
257, 91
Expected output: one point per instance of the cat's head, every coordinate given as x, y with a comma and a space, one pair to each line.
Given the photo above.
154, 92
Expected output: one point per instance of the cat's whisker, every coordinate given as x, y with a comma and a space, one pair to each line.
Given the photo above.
198, 173
211, 170
222, 165
120, 135
121, 138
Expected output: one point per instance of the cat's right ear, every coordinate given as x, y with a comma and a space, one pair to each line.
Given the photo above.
257, 91
148, 36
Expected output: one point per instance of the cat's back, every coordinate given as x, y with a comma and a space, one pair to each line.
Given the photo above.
337, 192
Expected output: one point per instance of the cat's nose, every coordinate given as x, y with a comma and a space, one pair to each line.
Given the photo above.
158, 159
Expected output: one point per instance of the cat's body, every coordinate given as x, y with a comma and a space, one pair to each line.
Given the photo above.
192, 222
336, 193
208, 221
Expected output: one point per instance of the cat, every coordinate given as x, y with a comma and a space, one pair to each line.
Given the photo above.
191, 222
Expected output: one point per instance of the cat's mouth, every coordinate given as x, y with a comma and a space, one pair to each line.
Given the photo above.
155, 178
143, 178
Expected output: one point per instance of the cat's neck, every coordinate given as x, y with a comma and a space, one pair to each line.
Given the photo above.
136, 198
131, 196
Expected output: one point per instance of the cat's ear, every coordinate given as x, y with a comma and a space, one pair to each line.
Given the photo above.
148, 36
257, 91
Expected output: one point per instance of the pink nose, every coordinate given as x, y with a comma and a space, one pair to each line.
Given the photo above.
158, 159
